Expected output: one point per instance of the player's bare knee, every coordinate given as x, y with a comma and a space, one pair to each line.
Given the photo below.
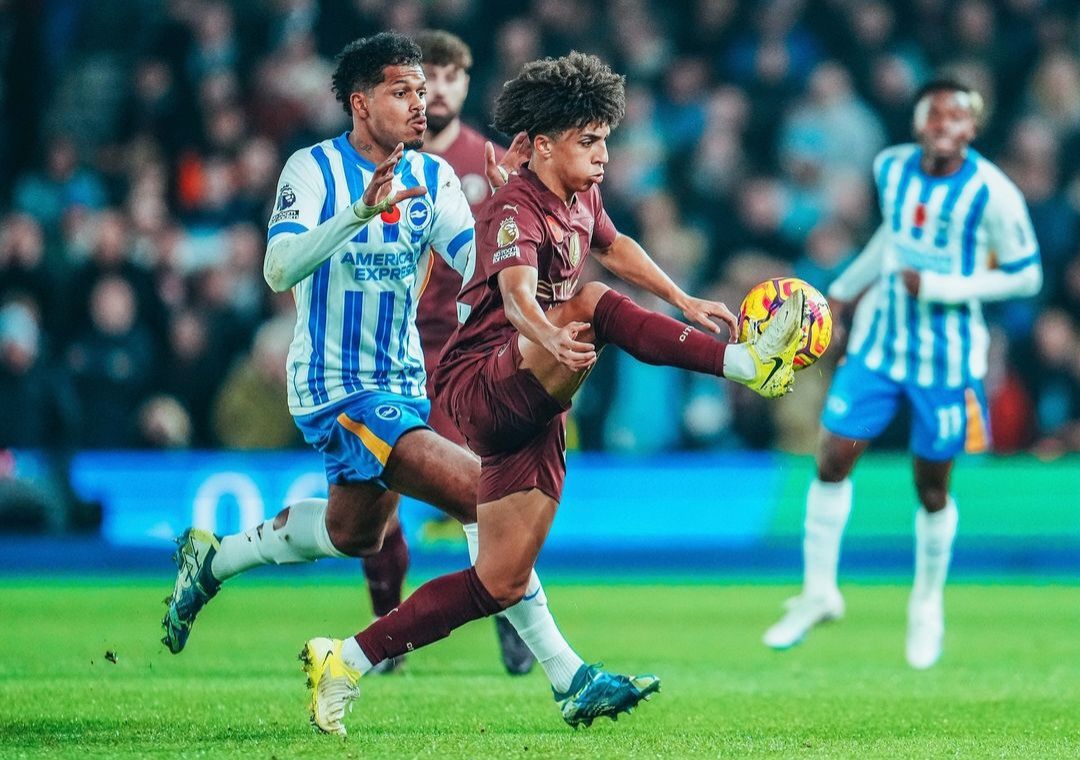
832, 469
509, 593
351, 537
368, 548
505, 588
364, 545
587, 297
932, 497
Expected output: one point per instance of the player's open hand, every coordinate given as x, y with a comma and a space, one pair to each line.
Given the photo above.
498, 172
377, 193
702, 312
571, 352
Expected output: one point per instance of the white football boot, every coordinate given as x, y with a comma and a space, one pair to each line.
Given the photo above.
925, 631
803, 613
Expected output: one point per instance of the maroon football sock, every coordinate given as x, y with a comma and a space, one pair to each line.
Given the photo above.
386, 570
656, 338
429, 614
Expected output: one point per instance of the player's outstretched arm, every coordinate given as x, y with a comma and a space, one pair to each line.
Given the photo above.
992, 285
291, 258
518, 287
627, 259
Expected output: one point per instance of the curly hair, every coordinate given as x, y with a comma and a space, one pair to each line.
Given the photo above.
441, 48
552, 95
361, 65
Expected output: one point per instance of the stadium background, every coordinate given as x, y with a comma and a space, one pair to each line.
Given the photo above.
141, 358
140, 144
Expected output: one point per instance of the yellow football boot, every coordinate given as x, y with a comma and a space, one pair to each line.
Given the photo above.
774, 350
333, 684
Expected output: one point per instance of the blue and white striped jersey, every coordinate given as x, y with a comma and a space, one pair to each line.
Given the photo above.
960, 232
356, 314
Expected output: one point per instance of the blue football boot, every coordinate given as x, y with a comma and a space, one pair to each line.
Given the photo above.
195, 585
595, 693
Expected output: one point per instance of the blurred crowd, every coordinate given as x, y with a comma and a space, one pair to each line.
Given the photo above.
140, 145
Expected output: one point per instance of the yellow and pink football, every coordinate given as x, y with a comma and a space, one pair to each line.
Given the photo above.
765, 298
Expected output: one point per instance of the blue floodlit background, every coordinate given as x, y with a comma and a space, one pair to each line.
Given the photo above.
141, 354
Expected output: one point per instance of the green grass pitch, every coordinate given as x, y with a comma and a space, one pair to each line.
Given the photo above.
1008, 686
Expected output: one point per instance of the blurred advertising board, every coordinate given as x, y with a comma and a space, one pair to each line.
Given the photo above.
732, 500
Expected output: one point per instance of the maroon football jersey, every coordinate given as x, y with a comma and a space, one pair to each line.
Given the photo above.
436, 312
525, 223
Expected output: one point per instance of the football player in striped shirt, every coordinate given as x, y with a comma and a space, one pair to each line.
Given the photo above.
357, 222
955, 234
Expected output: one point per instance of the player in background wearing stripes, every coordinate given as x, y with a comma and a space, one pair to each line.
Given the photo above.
447, 60
357, 222
955, 234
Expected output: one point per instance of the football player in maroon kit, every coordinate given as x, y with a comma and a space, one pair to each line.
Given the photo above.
447, 60
385, 448
527, 340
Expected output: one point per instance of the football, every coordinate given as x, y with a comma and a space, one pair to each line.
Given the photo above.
766, 297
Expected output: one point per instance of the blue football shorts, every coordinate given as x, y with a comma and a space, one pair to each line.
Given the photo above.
945, 421
355, 435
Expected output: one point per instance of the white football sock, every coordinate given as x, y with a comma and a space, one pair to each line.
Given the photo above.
303, 538
354, 656
532, 620
738, 364
827, 509
934, 534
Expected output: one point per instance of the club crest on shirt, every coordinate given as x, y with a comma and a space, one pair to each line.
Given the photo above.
508, 232
418, 214
286, 197
574, 249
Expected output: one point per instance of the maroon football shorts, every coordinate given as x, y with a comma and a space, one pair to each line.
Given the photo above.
510, 421
438, 419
